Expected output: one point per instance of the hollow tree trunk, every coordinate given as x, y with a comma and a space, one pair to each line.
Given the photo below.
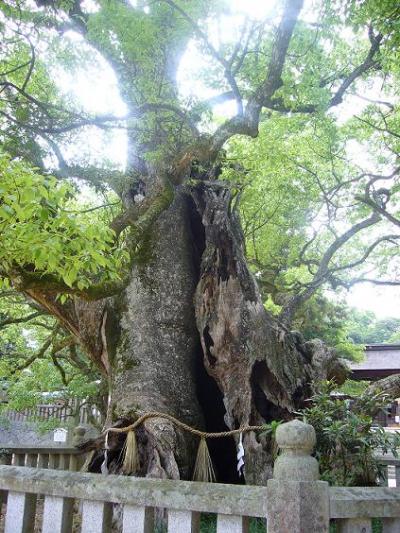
264, 371
190, 337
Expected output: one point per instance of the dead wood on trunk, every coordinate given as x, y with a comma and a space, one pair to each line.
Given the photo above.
190, 336
263, 371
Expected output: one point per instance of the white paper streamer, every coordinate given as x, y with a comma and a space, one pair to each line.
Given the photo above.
104, 467
240, 456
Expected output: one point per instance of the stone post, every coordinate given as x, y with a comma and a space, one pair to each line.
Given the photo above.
297, 501
78, 435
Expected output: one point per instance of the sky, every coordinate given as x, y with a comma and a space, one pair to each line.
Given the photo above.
384, 301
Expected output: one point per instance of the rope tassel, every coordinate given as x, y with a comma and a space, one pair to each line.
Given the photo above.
130, 462
203, 468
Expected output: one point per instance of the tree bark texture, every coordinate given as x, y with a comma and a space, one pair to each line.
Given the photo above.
190, 337
153, 359
264, 371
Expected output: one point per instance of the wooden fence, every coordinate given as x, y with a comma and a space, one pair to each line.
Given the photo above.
294, 501
64, 412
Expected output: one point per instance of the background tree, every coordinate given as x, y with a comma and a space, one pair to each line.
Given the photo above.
347, 446
366, 328
41, 363
152, 280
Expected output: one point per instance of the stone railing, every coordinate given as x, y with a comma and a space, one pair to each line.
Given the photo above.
392, 467
61, 458
294, 501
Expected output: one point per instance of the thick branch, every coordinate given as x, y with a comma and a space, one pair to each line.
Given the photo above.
341, 241
264, 95
382, 196
101, 121
33, 281
145, 212
389, 386
356, 281
273, 80
367, 64
12, 320
227, 65
387, 238
323, 272
379, 209
139, 218
37, 355
248, 123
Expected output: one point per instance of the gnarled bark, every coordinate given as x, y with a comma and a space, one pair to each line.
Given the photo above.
389, 386
264, 371
189, 336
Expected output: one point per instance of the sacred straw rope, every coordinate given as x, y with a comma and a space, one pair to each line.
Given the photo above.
186, 427
203, 469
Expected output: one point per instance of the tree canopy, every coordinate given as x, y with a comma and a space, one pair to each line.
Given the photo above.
293, 110
306, 195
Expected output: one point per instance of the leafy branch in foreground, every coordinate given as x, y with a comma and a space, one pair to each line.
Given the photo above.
40, 240
40, 363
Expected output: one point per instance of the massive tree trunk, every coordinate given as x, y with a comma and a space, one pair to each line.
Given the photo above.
189, 334
190, 337
263, 371
153, 367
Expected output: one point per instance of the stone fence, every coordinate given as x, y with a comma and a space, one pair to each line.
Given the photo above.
392, 474
59, 458
294, 501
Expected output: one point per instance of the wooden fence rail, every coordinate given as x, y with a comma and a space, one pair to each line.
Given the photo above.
294, 501
83, 414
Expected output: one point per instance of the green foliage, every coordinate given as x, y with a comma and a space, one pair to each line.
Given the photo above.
299, 184
42, 378
322, 319
208, 524
346, 440
44, 383
40, 229
39, 363
364, 327
296, 157
353, 388
376, 524
269, 432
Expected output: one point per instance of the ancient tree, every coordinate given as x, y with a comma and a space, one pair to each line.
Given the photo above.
160, 297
